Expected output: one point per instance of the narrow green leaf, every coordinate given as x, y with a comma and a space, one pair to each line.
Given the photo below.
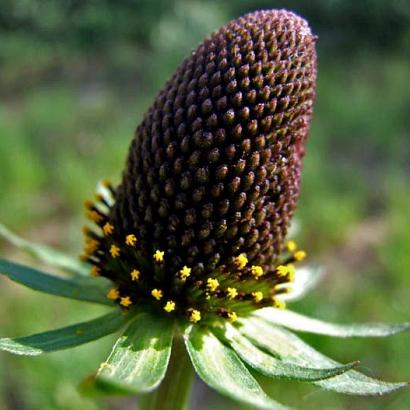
273, 367
287, 346
80, 288
139, 359
220, 367
45, 254
65, 337
303, 323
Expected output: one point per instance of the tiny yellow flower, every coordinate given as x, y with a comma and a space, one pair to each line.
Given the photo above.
88, 204
232, 293
113, 294
135, 274
106, 183
94, 216
114, 251
278, 304
212, 284
241, 261
169, 306
95, 271
91, 246
291, 272
256, 271
159, 256
108, 229
282, 270
194, 316
184, 273
257, 296
131, 240
291, 246
232, 316
299, 255
125, 301
157, 294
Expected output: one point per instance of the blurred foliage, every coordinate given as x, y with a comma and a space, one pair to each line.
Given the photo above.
75, 79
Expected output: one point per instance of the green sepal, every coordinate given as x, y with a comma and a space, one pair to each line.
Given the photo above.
139, 359
45, 254
301, 323
221, 369
271, 366
86, 289
288, 346
66, 337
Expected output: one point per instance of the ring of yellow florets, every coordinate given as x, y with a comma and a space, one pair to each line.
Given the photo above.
138, 277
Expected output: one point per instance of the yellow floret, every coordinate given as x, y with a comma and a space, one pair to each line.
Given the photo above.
157, 294
299, 255
282, 270
94, 216
114, 251
91, 246
108, 229
184, 273
135, 274
169, 306
113, 294
257, 296
212, 284
256, 271
159, 256
194, 316
241, 260
278, 304
232, 316
95, 271
88, 204
131, 240
125, 301
291, 246
232, 293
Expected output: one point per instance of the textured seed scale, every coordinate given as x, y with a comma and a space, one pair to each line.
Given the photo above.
213, 171
214, 168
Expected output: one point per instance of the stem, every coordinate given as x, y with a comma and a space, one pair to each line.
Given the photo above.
173, 393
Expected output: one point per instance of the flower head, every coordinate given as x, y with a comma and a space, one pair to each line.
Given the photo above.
192, 241
212, 175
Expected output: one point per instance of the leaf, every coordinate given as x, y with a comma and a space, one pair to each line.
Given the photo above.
65, 337
271, 366
45, 254
287, 346
80, 288
306, 278
220, 367
303, 323
139, 359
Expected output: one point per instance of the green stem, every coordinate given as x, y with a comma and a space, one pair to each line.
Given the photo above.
173, 393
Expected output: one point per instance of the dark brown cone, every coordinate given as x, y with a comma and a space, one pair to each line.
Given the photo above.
214, 168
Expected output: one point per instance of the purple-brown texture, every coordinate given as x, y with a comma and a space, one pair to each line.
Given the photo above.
214, 168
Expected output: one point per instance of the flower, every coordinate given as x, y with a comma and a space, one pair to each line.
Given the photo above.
189, 250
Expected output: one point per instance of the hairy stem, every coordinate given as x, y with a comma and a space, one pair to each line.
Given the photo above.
173, 393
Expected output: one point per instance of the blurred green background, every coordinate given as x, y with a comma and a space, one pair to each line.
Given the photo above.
75, 79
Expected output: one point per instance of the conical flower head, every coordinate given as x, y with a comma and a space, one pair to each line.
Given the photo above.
213, 172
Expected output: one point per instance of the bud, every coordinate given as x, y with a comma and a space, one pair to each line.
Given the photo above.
213, 174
